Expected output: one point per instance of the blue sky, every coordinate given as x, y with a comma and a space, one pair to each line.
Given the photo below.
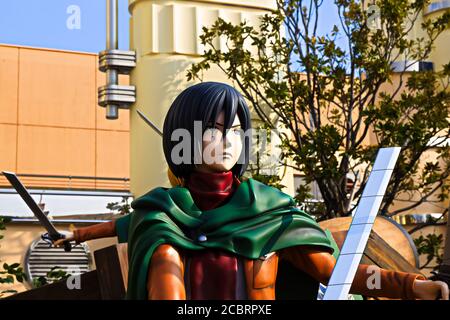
53, 24
44, 23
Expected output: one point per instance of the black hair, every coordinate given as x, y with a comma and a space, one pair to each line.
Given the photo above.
203, 102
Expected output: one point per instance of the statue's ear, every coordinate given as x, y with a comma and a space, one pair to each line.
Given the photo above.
174, 180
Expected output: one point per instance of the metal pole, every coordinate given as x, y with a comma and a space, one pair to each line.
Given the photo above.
112, 111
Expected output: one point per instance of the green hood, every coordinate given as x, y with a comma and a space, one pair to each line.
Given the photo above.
258, 219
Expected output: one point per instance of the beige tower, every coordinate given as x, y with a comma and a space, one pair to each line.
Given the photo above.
165, 35
441, 52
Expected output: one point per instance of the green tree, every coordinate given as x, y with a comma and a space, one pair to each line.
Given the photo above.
327, 98
431, 246
121, 208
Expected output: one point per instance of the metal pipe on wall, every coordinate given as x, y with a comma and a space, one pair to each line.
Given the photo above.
112, 43
113, 62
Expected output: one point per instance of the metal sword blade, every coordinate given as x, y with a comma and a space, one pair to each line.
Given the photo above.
147, 121
23, 192
358, 234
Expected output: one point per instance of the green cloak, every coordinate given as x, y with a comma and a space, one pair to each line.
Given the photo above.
257, 220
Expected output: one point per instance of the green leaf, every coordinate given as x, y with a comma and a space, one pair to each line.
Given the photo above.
14, 265
9, 291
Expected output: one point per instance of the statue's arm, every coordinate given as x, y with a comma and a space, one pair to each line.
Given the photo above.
96, 231
369, 280
117, 227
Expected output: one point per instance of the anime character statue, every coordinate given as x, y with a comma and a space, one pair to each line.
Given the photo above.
215, 236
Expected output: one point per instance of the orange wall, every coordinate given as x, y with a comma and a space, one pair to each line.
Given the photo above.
50, 122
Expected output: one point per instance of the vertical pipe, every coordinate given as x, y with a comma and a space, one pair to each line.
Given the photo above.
111, 24
112, 111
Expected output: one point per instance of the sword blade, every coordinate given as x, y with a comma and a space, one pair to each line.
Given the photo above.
358, 234
147, 121
23, 192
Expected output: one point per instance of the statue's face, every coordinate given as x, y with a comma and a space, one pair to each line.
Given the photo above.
221, 151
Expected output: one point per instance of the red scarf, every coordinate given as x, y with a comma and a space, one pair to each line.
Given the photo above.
213, 273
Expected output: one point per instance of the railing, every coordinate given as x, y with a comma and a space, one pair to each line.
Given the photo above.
67, 182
